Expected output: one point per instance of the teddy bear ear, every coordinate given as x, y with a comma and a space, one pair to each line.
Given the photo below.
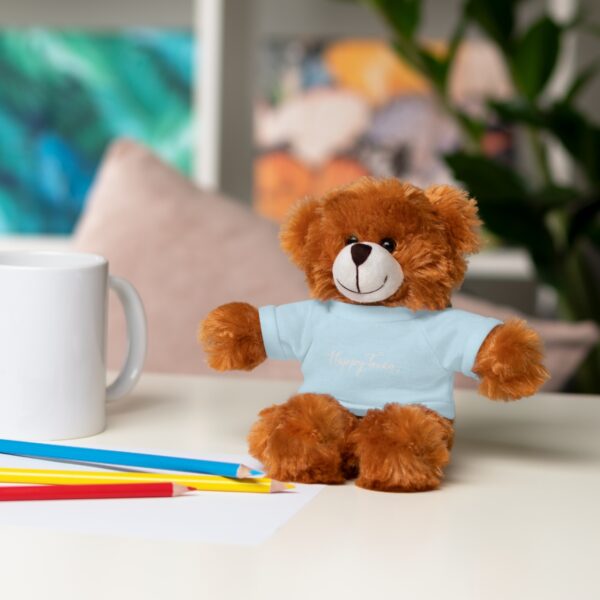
295, 228
459, 213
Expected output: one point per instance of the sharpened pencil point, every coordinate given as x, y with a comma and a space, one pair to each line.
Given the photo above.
180, 490
278, 486
245, 472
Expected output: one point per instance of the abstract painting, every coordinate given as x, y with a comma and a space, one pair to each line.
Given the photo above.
65, 95
330, 111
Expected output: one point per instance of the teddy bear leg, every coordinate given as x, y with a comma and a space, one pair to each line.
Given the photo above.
305, 440
402, 448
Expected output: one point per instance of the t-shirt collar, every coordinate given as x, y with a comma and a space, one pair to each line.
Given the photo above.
365, 312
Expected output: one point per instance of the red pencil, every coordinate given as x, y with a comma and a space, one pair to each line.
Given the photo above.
95, 491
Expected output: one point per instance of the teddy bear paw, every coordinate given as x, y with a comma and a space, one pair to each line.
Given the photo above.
231, 337
305, 440
402, 448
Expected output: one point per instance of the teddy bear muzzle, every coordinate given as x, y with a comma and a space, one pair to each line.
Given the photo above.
365, 272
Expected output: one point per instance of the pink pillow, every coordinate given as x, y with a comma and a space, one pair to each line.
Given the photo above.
186, 251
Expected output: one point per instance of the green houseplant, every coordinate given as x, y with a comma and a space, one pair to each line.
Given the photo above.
559, 225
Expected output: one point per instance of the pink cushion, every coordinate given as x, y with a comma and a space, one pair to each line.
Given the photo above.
187, 251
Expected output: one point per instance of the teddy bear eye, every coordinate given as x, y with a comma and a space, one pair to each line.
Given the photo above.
351, 240
388, 243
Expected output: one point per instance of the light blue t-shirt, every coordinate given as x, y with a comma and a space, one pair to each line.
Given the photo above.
368, 356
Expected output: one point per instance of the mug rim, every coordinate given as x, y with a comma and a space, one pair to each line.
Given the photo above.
71, 261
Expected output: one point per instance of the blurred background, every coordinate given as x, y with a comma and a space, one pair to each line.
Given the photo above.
262, 102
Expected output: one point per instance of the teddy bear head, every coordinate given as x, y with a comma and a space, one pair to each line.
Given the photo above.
384, 242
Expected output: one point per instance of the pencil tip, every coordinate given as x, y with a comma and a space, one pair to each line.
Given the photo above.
180, 490
279, 486
245, 472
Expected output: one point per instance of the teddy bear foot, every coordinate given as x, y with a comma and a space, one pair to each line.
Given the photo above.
305, 440
402, 448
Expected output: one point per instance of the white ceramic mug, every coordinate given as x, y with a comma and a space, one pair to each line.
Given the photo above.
53, 309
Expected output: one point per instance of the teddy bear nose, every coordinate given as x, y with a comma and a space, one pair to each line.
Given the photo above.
360, 253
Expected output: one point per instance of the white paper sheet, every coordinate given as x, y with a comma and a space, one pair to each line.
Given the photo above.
213, 517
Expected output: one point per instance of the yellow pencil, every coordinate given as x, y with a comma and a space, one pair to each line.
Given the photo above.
212, 483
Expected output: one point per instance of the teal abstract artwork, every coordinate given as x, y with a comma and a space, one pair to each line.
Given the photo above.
65, 95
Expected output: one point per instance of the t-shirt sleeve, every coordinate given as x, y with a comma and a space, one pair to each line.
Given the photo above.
287, 330
455, 337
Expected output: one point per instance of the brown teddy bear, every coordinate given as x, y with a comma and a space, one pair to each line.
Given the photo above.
379, 343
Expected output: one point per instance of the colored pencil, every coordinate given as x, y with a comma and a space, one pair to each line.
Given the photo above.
90, 492
198, 482
126, 459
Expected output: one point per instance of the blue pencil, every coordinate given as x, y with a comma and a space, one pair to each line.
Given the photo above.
126, 459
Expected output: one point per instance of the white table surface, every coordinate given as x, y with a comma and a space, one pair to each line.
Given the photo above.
518, 516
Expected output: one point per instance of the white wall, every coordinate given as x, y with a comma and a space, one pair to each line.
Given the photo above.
96, 13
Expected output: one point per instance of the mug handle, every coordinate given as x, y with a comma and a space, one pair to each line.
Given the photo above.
136, 338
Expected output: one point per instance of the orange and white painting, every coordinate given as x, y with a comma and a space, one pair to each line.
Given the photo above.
329, 112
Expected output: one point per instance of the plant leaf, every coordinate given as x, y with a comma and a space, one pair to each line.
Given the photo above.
475, 127
487, 178
584, 220
506, 206
533, 57
580, 81
456, 38
517, 111
409, 53
403, 16
495, 17
555, 196
579, 136
455, 42
436, 68
519, 225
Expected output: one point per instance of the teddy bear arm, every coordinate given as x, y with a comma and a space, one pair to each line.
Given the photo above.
509, 362
231, 337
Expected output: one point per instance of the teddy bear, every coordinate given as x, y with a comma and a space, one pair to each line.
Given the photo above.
379, 342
